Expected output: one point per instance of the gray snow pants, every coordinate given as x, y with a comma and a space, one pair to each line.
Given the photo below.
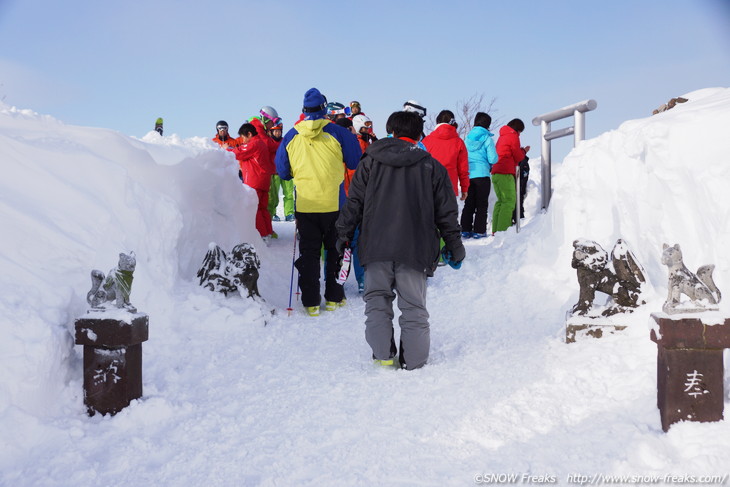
381, 280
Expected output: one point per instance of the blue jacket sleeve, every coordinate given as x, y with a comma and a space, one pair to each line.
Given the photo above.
351, 151
283, 166
491, 151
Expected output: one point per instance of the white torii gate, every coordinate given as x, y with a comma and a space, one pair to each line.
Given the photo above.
579, 130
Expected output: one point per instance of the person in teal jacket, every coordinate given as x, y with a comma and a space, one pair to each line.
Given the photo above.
482, 156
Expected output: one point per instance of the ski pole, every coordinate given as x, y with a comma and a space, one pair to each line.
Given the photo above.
294, 254
291, 279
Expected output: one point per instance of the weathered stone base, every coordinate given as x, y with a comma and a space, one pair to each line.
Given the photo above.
578, 327
112, 361
112, 378
690, 368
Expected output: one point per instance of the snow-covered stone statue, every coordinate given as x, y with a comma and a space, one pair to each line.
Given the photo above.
112, 341
227, 274
115, 287
213, 273
700, 288
620, 277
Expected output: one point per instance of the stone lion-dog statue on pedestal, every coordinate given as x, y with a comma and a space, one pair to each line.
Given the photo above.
699, 287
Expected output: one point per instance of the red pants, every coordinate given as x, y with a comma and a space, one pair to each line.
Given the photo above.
263, 217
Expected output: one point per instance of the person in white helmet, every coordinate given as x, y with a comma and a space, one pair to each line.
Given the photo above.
415, 107
364, 130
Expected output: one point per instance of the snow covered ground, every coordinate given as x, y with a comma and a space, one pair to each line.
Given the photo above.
231, 402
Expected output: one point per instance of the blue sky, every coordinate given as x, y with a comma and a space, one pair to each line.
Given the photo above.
120, 65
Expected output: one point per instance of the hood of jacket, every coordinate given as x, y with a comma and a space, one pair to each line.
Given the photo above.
444, 131
508, 131
396, 152
476, 139
311, 128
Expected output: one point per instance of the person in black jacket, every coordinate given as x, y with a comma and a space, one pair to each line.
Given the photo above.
403, 201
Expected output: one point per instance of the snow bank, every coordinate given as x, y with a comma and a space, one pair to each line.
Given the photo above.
72, 199
662, 179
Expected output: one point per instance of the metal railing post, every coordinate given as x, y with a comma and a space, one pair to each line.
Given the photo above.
580, 127
545, 165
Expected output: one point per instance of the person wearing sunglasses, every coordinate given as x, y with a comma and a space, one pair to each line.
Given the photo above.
355, 109
222, 137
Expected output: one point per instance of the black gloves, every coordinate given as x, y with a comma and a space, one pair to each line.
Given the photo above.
341, 245
458, 253
455, 257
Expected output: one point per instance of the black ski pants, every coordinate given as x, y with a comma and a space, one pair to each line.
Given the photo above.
524, 169
476, 206
317, 230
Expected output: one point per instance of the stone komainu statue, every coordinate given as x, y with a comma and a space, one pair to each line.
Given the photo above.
115, 286
227, 274
700, 288
620, 277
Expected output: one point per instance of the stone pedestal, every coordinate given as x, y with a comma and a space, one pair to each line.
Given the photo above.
690, 368
580, 326
112, 359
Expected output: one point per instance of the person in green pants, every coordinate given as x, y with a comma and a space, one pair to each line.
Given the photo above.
287, 187
510, 153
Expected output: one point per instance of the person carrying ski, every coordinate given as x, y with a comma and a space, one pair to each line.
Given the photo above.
509, 156
482, 156
401, 198
312, 153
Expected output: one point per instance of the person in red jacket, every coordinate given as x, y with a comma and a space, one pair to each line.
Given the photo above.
510, 153
255, 162
262, 126
446, 146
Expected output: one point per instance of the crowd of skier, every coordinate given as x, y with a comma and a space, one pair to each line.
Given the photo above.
390, 202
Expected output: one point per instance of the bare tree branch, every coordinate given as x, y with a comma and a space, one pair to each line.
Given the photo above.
467, 109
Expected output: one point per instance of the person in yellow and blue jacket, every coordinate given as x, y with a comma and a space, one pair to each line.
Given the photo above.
312, 153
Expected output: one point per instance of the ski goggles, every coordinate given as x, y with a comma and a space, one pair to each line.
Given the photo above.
222, 127
265, 116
